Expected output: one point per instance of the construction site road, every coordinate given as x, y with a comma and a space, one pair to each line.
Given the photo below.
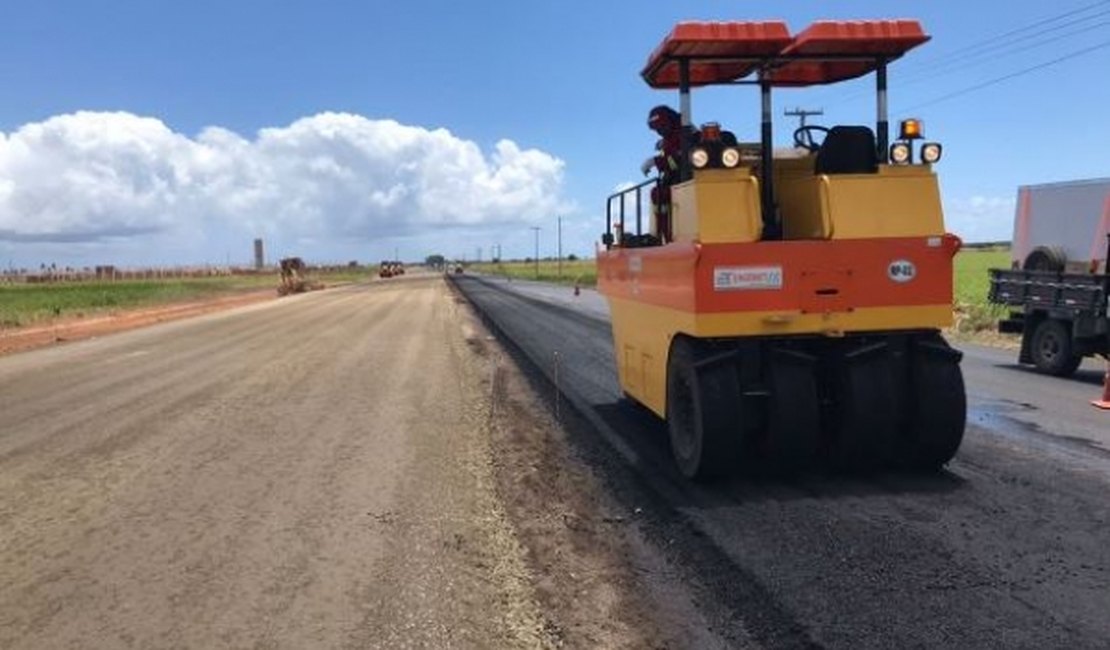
323, 471
1008, 547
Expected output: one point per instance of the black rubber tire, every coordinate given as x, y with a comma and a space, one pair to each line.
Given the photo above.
1045, 258
867, 407
793, 435
1051, 348
938, 406
703, 414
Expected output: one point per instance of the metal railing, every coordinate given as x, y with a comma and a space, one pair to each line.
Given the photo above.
622, 197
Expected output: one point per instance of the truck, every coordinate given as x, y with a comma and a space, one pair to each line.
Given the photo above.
1057, 285
786, 312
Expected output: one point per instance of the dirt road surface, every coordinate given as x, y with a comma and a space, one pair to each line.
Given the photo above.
352, 468
1009, 547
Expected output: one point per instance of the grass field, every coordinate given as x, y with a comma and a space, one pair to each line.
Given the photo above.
27, 304
583, 272
973, 313
971, 284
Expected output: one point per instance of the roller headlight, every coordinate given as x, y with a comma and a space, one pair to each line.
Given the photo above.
730, 157
930, 152
900, 153
699, 158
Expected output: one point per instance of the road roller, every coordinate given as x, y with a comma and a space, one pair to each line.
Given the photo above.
784, 309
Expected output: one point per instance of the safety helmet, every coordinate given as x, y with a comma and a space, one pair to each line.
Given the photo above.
663, 118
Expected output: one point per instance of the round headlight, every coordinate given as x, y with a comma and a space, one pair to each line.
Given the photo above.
900, 153
730, 157
930, 152
699, 158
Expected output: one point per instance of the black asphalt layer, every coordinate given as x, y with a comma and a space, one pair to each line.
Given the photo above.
1008, 547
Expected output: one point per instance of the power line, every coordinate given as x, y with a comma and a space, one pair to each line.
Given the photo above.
977, 59
959, 52
997, 80
943, 71
1009, 44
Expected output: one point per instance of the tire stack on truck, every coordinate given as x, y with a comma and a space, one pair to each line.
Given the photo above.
1058, 283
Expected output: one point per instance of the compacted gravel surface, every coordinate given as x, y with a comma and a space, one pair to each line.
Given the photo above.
355, 468
1009, 547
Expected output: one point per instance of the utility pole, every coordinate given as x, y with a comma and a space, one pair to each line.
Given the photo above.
537, 229
560, 249
802, 114
479, 254
396, 258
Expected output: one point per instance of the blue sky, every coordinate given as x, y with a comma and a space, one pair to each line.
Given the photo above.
558, 80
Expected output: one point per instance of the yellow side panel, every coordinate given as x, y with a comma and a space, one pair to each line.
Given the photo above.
644, 332
888, 204
895, 202
630, 374
717, 206
804, 208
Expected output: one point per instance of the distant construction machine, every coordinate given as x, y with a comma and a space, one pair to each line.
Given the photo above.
390, 268
293, 278
789, 313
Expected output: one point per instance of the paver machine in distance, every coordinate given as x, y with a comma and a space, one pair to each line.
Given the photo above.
789, 313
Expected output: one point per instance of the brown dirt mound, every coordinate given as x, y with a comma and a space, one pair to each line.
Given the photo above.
75, 329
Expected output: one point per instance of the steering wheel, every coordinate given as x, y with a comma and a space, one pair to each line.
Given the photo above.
803, 137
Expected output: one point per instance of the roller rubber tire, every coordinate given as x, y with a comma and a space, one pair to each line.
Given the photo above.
703, 414
793, 419
868, 414
939, 407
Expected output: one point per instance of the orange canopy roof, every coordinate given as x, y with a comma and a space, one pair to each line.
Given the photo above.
824, 52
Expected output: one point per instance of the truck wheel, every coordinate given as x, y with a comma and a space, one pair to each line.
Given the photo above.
703, 414
1051, 348
1045, 258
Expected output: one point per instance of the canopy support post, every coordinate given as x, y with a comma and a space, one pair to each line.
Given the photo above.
882, 123
687, 120
767, 157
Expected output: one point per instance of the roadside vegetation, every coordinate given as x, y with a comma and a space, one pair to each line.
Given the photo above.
974, 315
583, 272
23, 304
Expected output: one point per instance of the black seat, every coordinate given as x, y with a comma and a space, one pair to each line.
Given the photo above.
847, 150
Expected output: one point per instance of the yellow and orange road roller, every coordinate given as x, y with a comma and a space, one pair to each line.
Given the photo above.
784, 309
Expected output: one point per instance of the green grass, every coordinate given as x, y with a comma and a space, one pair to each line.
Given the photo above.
27, 304
973, 312
583, 272
972, 279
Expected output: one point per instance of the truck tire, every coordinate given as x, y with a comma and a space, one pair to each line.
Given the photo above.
1045, 258
1051, 348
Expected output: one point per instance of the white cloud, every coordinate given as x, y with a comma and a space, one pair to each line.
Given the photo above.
980, 218
92, 176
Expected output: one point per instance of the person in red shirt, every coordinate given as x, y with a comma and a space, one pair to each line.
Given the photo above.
667, 161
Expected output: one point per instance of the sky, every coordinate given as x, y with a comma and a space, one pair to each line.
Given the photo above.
151, 132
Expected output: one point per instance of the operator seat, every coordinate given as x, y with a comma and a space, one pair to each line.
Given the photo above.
847, 150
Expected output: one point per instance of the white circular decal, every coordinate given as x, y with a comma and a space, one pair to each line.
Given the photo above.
901, 271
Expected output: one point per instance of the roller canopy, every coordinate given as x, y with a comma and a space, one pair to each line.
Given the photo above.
718, 51
825, 52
